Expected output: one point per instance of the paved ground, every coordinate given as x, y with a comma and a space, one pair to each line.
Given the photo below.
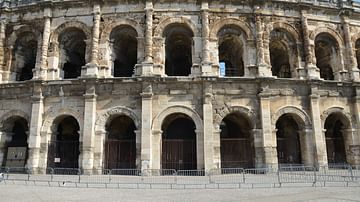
42, 193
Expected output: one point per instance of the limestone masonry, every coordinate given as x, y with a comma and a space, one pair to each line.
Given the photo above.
175, 84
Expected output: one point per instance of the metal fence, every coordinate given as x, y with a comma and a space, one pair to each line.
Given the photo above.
168, 178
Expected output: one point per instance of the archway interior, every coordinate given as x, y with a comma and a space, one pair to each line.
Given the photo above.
288, 140
178, 50
120, 145
279, 53
236, 143
334, 135
124, 50
179, 143
64, 150
25, 50
231, 51
326, 55
15, 148
357, 52
72, 47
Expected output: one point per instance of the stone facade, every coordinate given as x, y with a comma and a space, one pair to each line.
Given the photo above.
292, 59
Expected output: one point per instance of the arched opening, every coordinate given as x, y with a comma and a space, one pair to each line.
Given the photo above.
326, 55
13, 143
63, 150
25, 51
178, 143
236, 142
120, 144
231, 52
178, 50
334, 135
124, 50
288, 140
72, 49
357, 52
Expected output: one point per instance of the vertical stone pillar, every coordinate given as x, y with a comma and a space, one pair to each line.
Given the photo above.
309, 50
353, 69
264, 69
138, 148
208, 132
91, 69
146, 67
2, 48
269, 146
34, 139
258, 148
318, 132
206, 65
99, 149
147, 154
306, 146
40, 72
87, 153
217, 148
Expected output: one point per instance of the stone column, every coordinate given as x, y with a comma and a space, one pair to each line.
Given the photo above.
34, 139
208, 132
206, 65
155, 150
88, 137
268, 144
146, 67
2, 48
40, 72
217, 148
99, 149
91, 68
147, 154
353, 69
306, 146
138, 148
264, 69
318, 132
309, 50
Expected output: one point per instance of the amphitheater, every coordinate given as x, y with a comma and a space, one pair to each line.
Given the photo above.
175, 84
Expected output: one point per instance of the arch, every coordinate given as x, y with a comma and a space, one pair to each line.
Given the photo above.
346, 117
247, 112
286, 27
105, 34
26, 28
13, 113
158, 120
160, 29
326, 30
218, 25
104, 117
301, 117
70, 24
53, 113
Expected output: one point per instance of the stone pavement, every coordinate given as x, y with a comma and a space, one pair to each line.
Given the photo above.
42, 193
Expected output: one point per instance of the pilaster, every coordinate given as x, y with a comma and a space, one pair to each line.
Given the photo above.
264, 70
206, 65
353, 69
208, 132
34, 140
88, 137
2, 48
147, 153
318, 132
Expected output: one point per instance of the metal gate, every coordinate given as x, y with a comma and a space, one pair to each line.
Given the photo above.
63, 154
236, 153
120, 154
288, 154
335, 149
179, 154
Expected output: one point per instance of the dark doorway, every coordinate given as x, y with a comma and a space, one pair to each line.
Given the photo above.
120, 145
178, 50
16, 150
279, 57
179, 143
124, 50
63, 152
73, 47
236, 144
334, 135
231, 51
25, 51
288, 142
